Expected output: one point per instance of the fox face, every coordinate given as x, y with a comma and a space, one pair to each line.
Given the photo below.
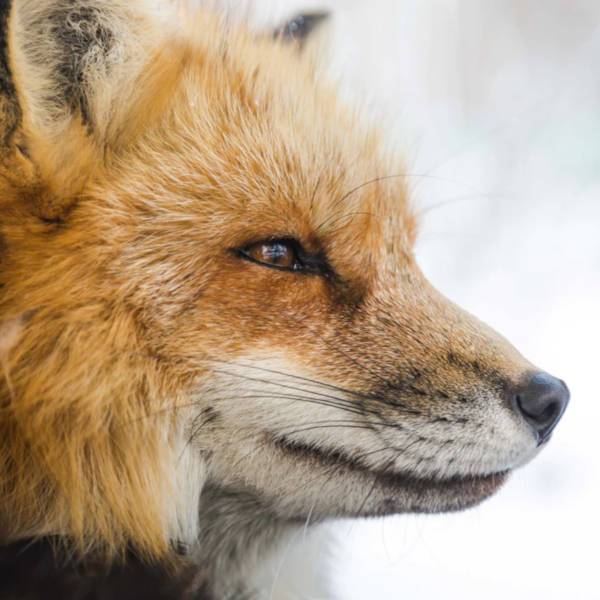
209, 297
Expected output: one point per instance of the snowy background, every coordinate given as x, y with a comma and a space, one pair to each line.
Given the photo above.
496, 104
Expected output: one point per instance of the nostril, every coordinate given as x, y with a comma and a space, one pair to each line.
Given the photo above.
541, 403
551, 413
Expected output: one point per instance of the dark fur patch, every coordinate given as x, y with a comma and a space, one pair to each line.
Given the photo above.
209, 415
29, 570
10, 111
300, 27
77, 33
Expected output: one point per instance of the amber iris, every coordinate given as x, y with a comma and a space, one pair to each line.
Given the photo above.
278, 253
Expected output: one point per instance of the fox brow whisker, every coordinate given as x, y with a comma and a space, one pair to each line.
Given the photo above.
361, 186
333, 220
427, 175
316, 188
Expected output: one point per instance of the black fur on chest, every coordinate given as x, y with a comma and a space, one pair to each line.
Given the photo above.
29, 570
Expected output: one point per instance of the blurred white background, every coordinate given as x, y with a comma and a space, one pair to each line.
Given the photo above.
497, 102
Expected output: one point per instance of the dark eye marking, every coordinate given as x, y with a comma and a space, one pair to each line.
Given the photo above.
285, 254
300, 27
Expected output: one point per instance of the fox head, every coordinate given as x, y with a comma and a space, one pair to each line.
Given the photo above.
208, 290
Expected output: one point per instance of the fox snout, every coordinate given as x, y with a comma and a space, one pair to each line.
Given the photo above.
468, 354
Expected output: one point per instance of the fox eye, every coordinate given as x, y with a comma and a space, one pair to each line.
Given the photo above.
279, 254
286, 254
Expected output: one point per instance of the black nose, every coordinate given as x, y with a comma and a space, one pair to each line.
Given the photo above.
542, 402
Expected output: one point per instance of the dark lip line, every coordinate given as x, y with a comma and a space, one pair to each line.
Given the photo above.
339, 459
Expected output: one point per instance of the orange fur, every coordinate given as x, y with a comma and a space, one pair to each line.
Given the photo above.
120, 239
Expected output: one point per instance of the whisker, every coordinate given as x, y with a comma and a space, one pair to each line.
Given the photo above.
334, 219
362, 185
314, 382
374, 485
339, 402
331, 426
427, 175
279, 384
359, 395
341, 423
316, 188
357, 458
396, 406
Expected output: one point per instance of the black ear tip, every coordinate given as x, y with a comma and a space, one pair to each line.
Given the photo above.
301, 26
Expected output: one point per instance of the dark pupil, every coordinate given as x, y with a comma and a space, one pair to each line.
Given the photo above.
275, 253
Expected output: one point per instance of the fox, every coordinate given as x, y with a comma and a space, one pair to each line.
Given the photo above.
213, 329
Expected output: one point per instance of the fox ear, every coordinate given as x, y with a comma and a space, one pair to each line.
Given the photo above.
72, 80
300, 28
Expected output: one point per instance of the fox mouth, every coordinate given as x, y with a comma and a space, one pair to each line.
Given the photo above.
398, 492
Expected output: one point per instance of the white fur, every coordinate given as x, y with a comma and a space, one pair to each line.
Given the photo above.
244, 532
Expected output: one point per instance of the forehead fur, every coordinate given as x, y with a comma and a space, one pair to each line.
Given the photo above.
258, 154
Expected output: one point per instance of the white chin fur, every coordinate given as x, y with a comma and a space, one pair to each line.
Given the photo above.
253, 494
